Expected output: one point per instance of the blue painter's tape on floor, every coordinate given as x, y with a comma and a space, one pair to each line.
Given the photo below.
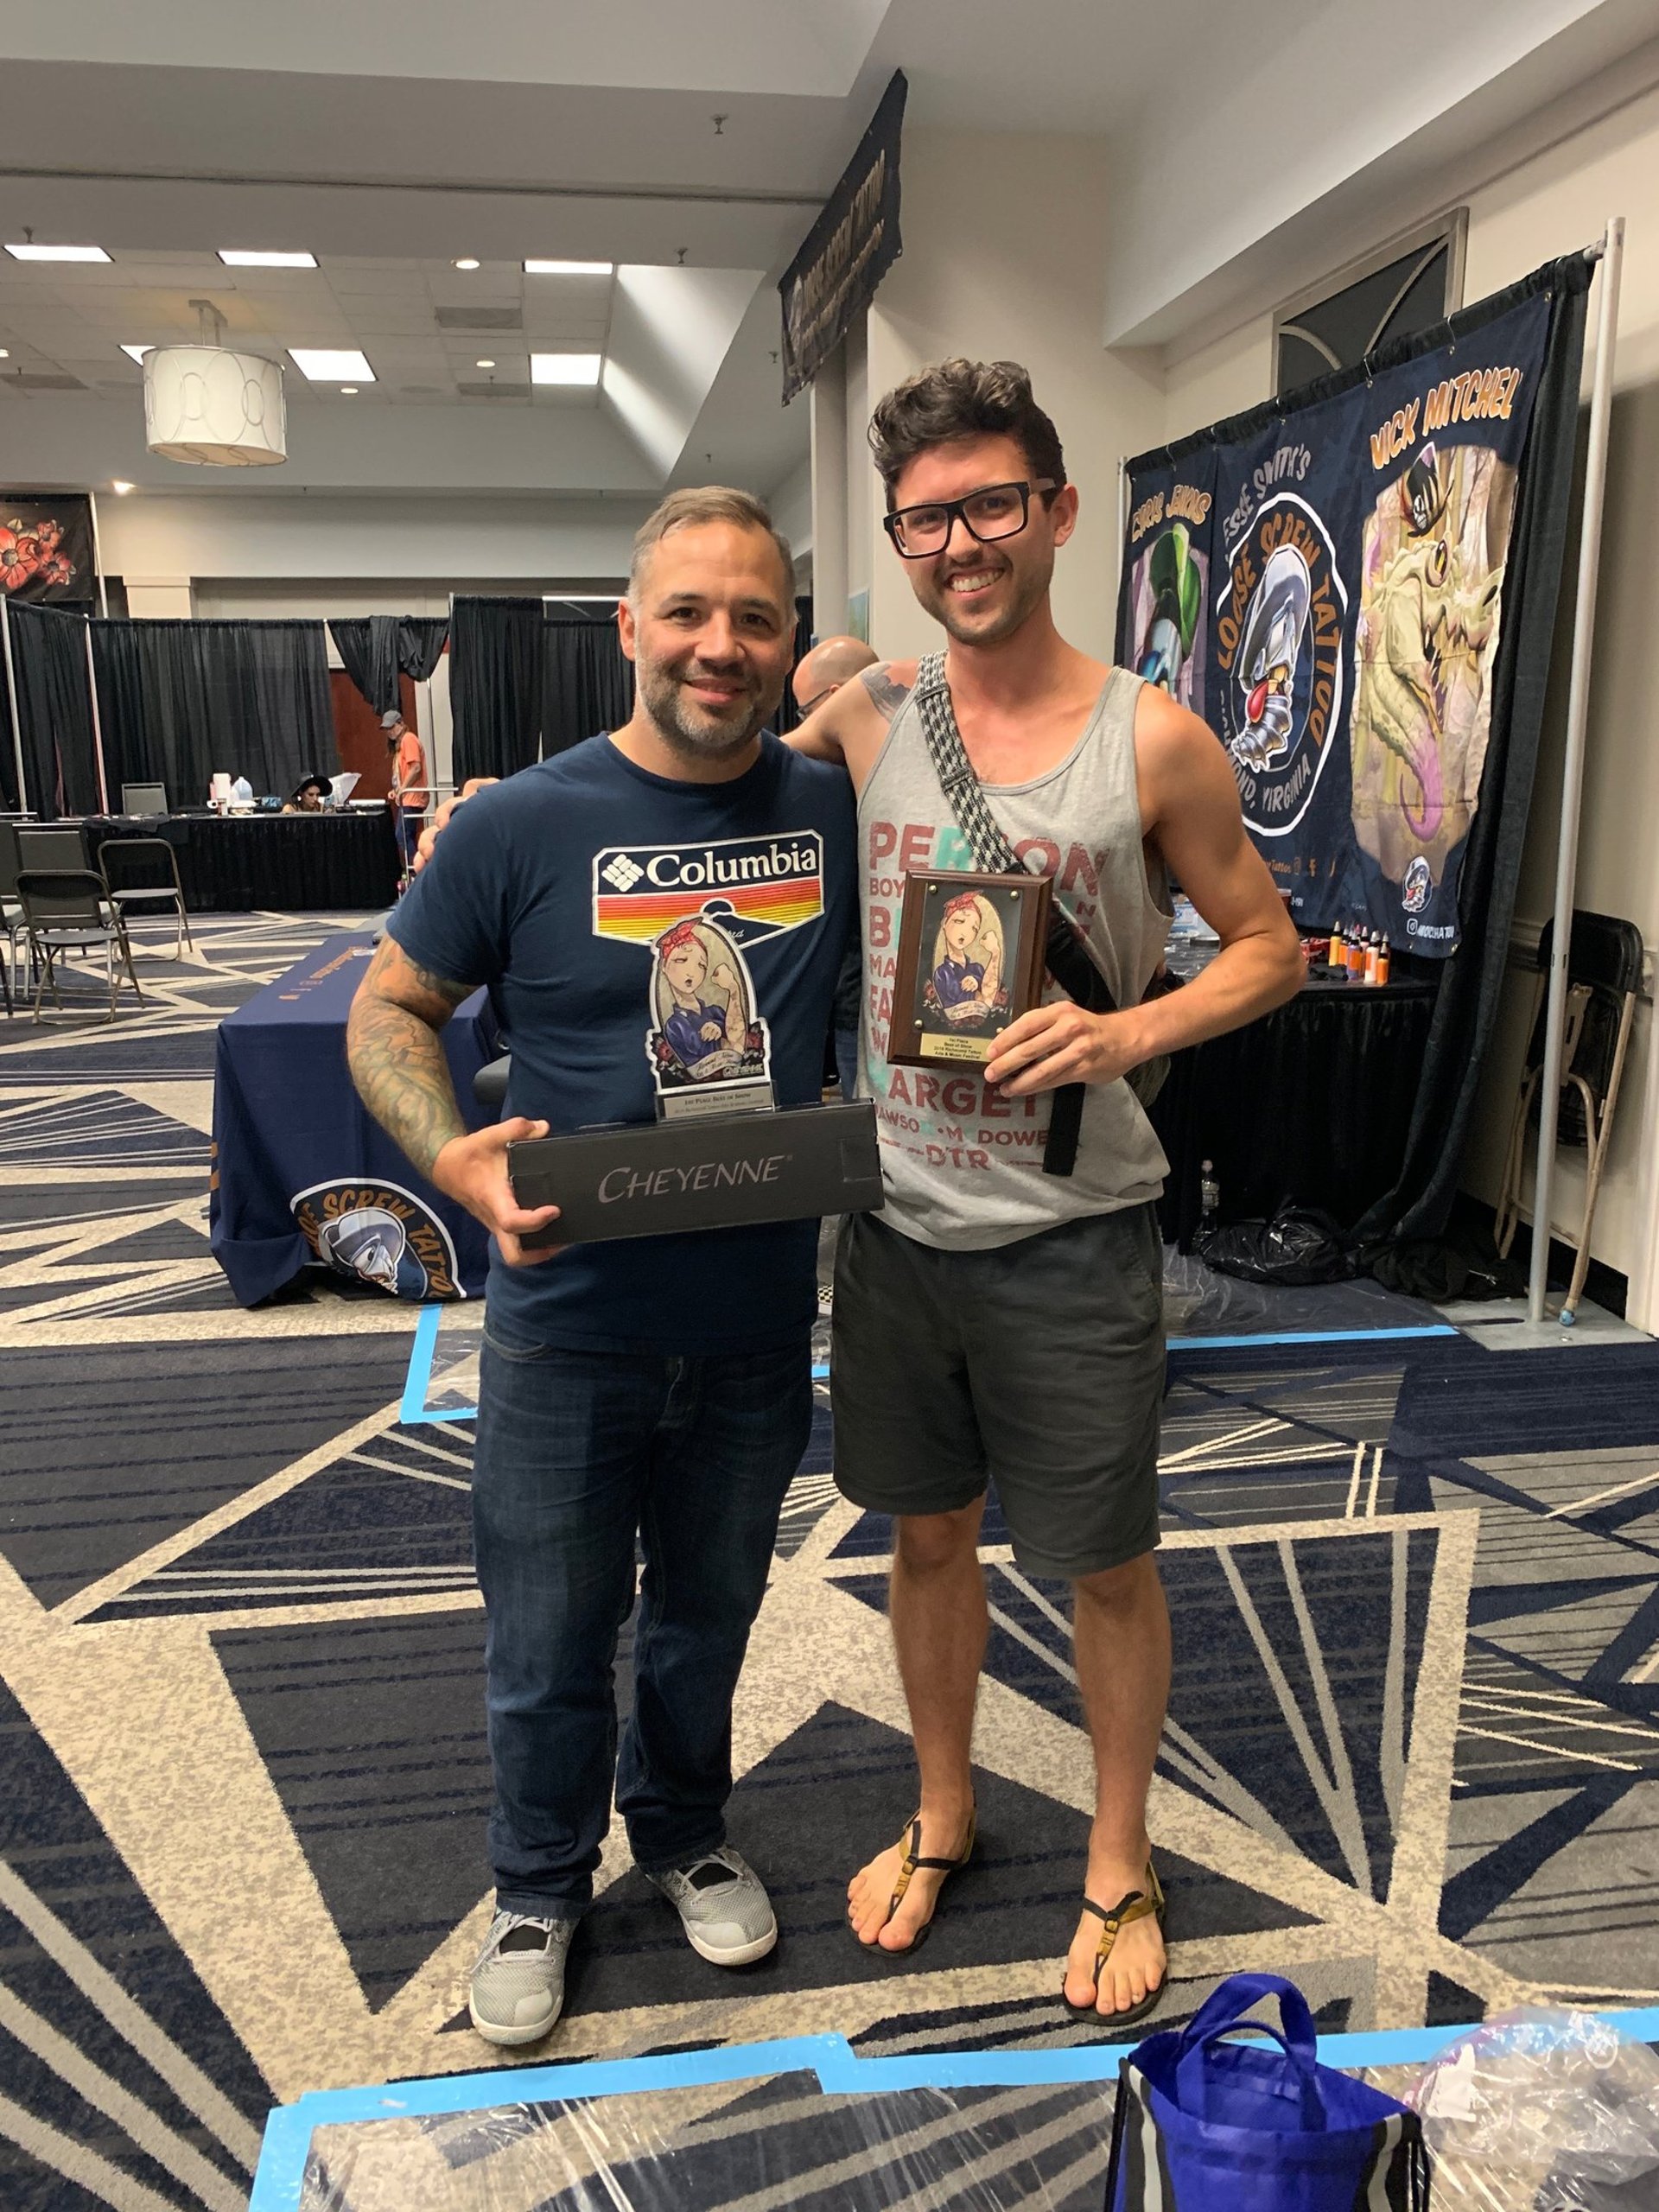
1309, 1336
839, 2071
413, 1410
278, 2183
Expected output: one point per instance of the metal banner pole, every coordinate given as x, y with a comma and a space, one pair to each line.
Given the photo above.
1578, 704
11, 701
98, 560
98, 725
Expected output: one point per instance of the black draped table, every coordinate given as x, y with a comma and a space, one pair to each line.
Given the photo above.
279, 863
1310, 1105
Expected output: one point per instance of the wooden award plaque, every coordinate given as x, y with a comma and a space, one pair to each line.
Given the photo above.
970, 962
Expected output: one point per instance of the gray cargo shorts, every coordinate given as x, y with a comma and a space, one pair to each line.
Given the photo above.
1037, 1366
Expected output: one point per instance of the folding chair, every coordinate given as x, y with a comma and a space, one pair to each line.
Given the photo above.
66, 910
125, 862
11, 914
1604, 980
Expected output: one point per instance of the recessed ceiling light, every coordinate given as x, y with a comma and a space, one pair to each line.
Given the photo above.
466, 261
121, 486
4, 355
32, 253
137, 353
234, 258
348, 391
564, 368
331, 365
483, 365
569, 268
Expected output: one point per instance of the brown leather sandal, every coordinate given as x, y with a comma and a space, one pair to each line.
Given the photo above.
1138, 1904
913, 1863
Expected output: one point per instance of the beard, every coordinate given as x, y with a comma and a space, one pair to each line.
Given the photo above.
688, 726
1020, 590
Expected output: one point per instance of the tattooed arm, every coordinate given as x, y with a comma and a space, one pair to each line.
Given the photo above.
397, 1063
851, 727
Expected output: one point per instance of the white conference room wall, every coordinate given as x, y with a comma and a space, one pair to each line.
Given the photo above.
441, 541
1547, 205
1002, 261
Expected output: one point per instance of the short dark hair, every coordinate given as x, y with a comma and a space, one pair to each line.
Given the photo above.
964, 399
705, 503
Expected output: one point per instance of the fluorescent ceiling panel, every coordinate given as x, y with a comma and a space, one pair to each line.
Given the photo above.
564, 368
137, 353
57, 253
569, 268
331, 365
234, 258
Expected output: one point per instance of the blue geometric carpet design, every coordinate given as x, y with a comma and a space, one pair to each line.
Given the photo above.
1412, 1755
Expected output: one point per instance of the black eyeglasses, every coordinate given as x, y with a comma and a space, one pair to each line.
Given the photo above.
998, 510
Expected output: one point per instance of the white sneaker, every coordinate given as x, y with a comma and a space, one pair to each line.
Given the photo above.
517, 1985
723, 1907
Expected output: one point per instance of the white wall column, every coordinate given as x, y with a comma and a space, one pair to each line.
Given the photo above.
827, 401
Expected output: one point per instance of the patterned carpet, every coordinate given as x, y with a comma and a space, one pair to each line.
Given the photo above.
1413, 1757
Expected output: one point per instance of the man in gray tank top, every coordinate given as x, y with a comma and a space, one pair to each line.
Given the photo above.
996, 1322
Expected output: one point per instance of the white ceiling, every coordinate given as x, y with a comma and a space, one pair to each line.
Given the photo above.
73, 319
692, 146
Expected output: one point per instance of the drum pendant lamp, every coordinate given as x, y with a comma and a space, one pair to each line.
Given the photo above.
208, 403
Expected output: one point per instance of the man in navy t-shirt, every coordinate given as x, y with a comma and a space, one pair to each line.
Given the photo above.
661, 907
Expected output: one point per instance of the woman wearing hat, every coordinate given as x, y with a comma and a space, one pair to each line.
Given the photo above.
308, 795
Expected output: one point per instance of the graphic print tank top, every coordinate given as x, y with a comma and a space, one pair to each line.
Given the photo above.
963, 1167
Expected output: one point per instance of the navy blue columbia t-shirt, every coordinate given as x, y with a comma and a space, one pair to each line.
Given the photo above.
638, 936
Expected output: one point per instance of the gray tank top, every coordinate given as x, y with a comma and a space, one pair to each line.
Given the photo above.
963, 1169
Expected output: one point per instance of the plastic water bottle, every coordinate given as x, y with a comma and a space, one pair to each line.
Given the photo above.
1209, 1200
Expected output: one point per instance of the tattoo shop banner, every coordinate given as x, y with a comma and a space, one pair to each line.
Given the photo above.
1327, 593
848, 251
46, 548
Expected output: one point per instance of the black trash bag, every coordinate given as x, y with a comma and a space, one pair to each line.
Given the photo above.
1464, 1263
1299, 1245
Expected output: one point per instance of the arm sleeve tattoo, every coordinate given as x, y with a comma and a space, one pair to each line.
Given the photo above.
887, 693
397, 1055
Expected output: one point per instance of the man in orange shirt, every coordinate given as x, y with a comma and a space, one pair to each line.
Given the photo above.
408, 789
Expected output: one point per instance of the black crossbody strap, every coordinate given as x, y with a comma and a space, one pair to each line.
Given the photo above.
1068, 958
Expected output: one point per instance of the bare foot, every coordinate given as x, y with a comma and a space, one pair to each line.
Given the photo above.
870, 1890
1135, 1967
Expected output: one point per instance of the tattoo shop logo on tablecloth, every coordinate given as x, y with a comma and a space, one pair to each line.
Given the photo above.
1279, 653
378, 1233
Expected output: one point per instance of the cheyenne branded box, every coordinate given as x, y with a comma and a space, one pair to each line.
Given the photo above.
721, 1172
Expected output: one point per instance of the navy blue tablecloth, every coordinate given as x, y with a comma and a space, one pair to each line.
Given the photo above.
301, 1176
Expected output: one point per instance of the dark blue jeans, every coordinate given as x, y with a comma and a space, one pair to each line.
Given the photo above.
580, 1456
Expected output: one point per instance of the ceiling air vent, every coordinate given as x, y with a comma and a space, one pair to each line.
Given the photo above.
44, 380
497, 390
481, 318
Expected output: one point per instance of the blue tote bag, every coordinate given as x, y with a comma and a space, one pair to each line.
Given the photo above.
1204, 2124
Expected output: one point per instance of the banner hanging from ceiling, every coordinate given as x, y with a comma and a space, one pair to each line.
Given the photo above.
1323, 581
46, 548
848, 251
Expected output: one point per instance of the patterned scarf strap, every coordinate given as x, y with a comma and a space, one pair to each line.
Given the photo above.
963, 793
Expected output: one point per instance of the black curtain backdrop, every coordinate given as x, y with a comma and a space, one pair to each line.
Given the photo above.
495, 685
788, 717
376, 649
180, 700
54, 711
586, 683
1418, 1200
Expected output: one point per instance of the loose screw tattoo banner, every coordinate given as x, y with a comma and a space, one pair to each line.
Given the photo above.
1323, 582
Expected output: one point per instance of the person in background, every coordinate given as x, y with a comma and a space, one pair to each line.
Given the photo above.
307, 795
409, 788
818, 674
